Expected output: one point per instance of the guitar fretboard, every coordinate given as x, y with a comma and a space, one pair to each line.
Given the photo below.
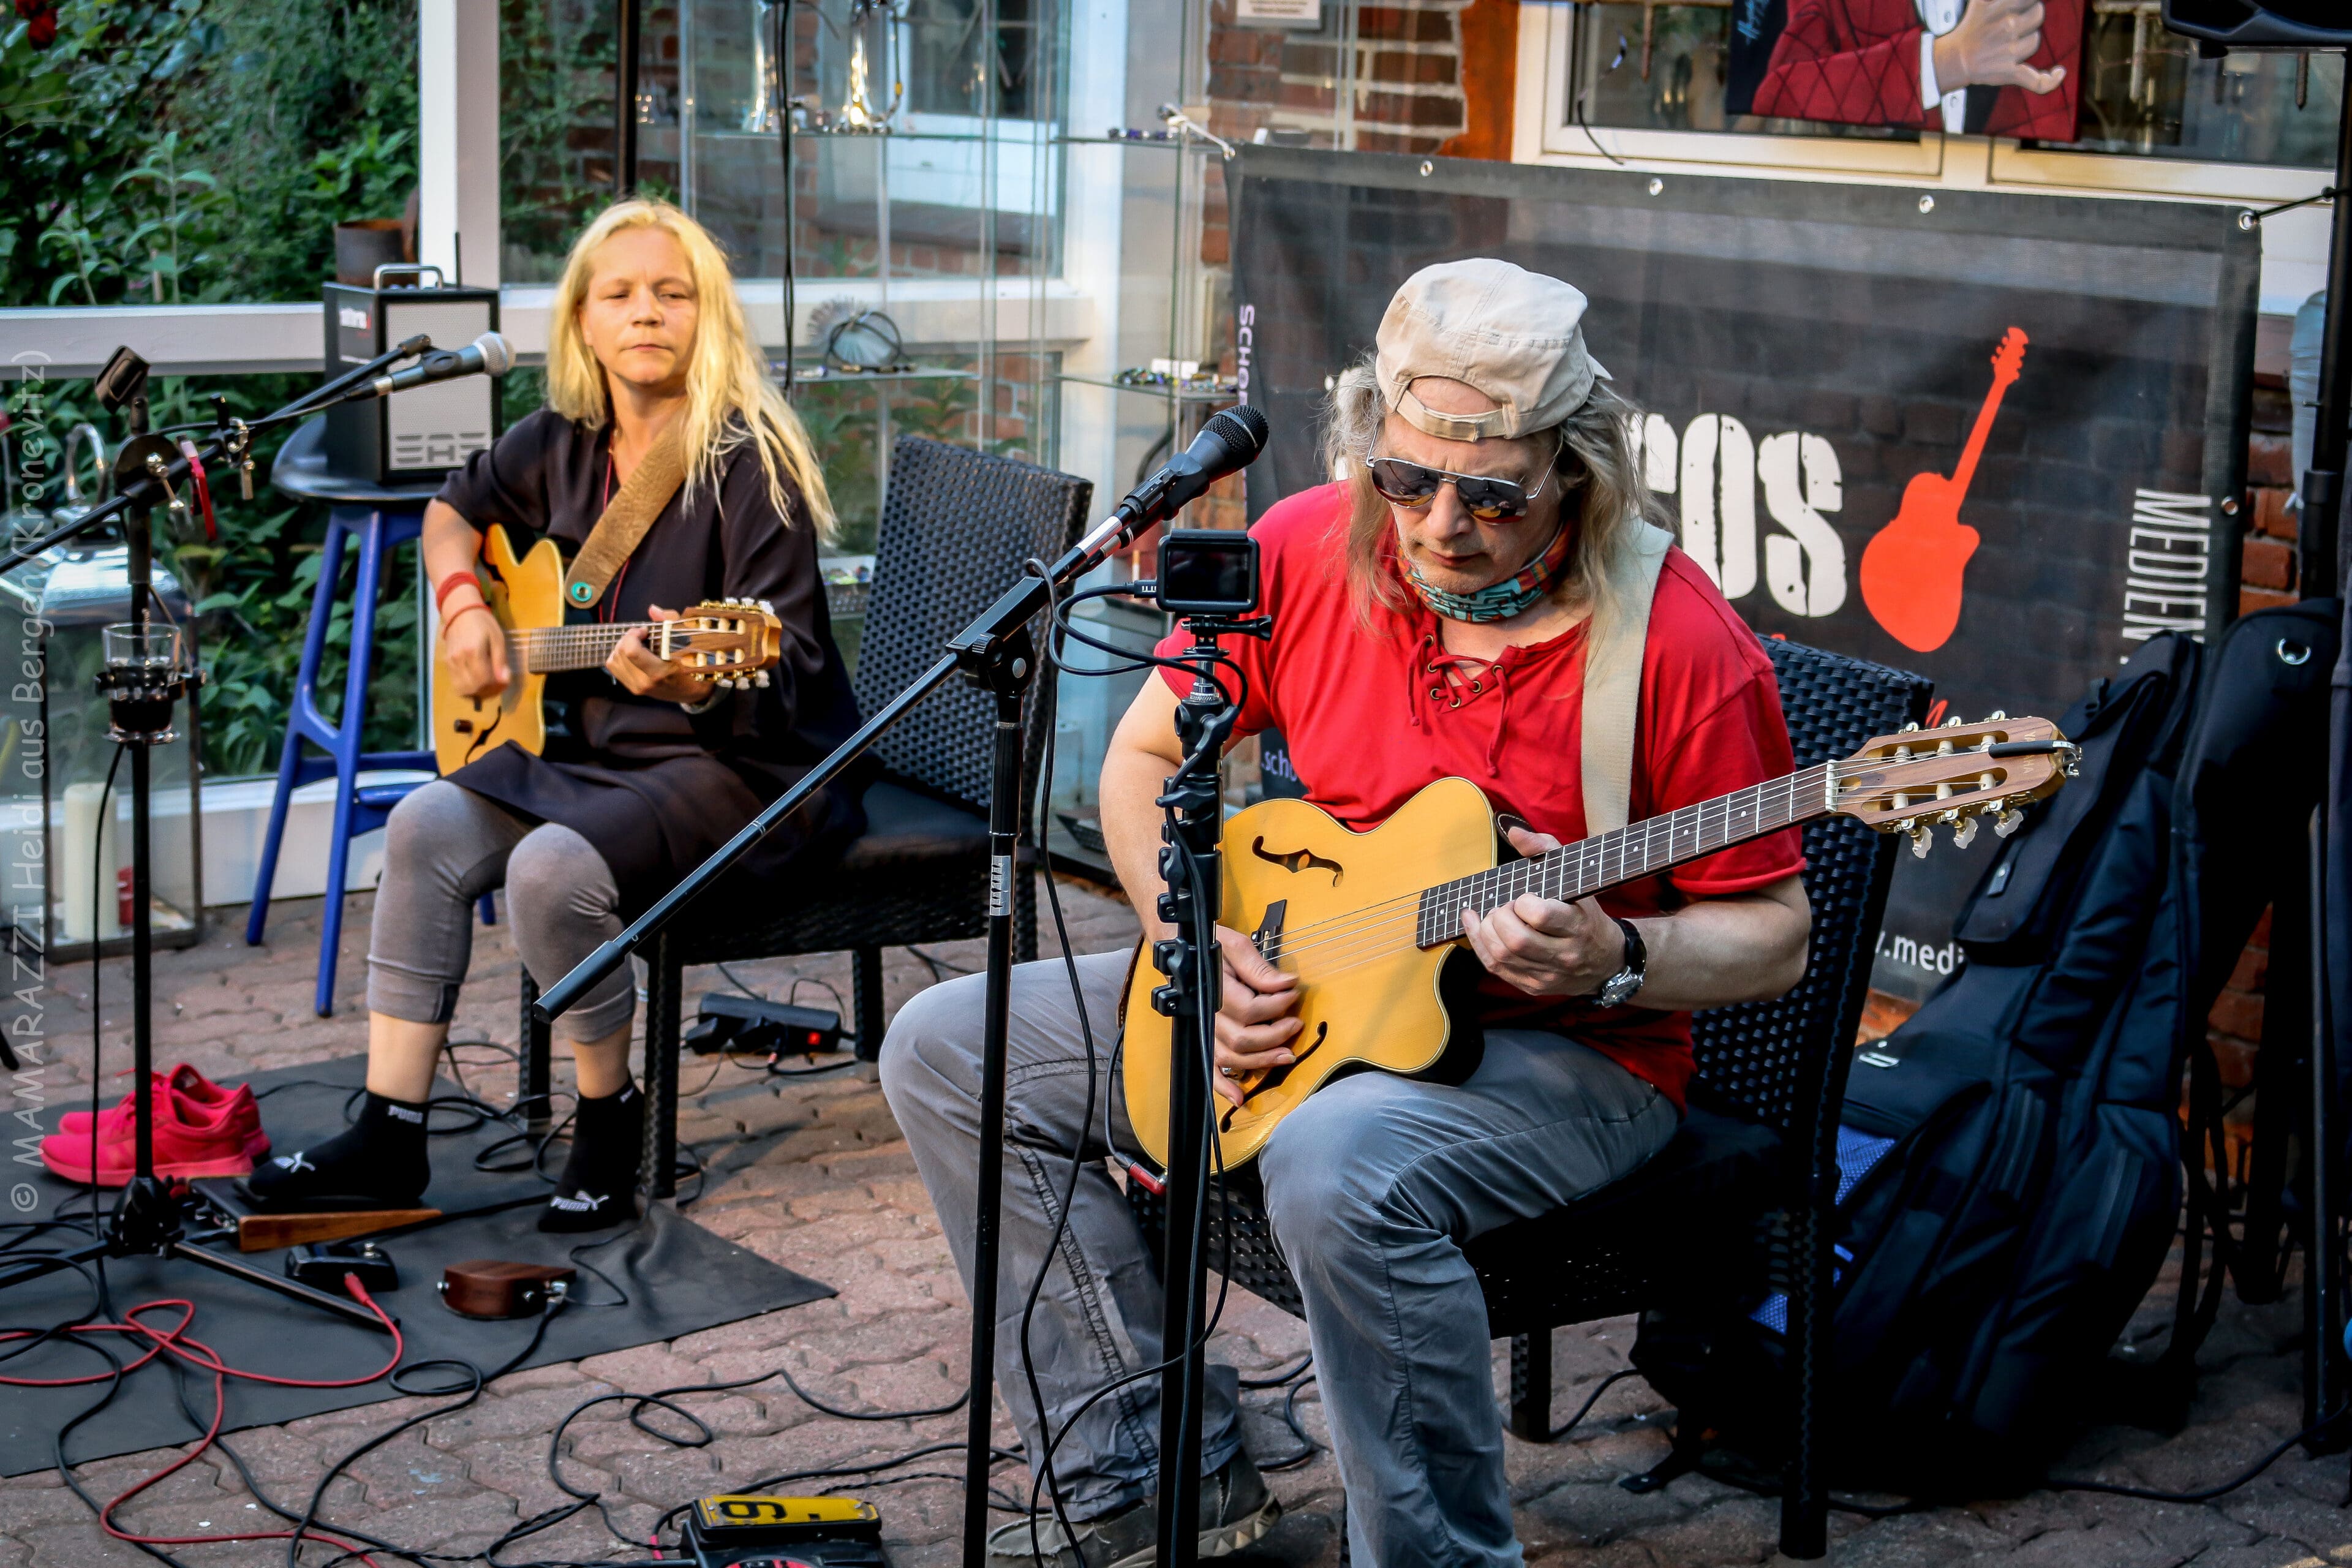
538, 650
1606, 860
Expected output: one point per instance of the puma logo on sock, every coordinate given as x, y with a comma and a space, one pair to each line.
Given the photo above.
293, 1163
406, 1114
583, 1203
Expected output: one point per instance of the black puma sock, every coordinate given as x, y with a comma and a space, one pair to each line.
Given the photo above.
378, 1163
599, 1184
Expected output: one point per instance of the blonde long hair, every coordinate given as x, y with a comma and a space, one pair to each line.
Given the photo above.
1597, 465
728, 397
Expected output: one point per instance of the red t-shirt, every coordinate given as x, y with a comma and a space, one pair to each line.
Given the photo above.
1370, 720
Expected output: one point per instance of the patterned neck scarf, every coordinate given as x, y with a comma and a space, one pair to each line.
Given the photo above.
1497, 601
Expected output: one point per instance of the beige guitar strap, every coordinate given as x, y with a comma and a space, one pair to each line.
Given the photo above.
1613, 679
642, 496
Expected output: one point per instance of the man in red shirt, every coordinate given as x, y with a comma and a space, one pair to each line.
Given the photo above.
1431, 609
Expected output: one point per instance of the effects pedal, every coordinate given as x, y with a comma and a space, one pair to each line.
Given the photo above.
744, 1531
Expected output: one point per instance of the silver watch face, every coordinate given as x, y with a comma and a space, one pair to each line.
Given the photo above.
1618, 987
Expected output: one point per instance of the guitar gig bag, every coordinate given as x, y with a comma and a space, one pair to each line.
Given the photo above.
1964, 1125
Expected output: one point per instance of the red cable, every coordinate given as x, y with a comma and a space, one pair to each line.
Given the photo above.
176, 1343
204, 491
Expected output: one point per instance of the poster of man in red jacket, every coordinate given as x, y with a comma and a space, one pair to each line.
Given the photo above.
1985, 67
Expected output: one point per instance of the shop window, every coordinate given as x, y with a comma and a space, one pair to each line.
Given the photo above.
2138, 90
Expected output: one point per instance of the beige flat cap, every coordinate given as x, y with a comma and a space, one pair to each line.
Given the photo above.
1512, 333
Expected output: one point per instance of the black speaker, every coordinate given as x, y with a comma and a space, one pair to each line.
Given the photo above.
2272, 24
420, 433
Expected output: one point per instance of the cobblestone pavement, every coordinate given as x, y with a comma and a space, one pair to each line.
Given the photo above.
812, 1175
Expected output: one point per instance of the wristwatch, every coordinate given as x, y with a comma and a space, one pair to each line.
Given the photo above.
1620, 987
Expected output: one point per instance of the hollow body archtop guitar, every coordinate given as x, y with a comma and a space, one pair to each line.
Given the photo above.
1367, 920
725, 642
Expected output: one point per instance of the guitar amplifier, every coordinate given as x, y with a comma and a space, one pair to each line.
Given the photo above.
420, 433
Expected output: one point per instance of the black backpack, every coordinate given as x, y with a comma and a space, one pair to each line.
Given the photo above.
2010, 1158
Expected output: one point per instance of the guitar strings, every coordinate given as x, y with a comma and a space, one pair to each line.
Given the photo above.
1372, 929
1527, 876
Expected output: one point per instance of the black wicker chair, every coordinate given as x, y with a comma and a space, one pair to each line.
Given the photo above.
957, 526
1762, 1126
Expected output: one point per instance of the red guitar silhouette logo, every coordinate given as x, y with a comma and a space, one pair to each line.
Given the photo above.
1911, 570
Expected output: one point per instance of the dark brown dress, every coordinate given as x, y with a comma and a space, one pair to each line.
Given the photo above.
654, 788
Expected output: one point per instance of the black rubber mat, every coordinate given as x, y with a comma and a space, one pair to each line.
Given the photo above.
663, 1278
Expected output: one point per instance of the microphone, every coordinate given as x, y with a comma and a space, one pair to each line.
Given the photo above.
1228, 442
487, 354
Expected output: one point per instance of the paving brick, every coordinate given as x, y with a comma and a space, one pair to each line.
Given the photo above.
814, 1175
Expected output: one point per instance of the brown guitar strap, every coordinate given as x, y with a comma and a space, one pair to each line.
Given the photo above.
642, 496
1612, 678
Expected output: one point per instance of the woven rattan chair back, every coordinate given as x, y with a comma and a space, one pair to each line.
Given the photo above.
957, 527
1769, 1058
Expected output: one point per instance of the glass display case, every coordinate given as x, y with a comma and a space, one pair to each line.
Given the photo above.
65, 883
982, 229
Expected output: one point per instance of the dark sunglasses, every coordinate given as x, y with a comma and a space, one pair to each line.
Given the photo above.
1415, 485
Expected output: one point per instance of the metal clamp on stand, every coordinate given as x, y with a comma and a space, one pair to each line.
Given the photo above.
144, 677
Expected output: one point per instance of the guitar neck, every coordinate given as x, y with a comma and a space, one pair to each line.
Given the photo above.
541, 650
1967, 471
1607, 860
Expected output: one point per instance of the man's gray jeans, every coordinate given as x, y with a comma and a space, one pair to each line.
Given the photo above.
1374, 1185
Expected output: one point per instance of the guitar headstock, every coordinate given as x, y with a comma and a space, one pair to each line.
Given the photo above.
2010, 358
730, 641
1954, 774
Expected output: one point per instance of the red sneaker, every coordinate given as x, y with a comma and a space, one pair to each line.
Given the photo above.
189, 1143
190, 1086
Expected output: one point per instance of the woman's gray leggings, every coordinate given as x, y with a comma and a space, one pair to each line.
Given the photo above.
445, 847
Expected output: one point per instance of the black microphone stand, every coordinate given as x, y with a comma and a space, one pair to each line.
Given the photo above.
1191, 863
140, 695
996, 653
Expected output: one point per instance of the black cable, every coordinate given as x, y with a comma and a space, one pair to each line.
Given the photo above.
468, 1393
2207, 1494
97, 964
1276, 1380
1563, 1430
940, 967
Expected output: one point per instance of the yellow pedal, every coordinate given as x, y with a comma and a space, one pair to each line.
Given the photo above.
745, 1530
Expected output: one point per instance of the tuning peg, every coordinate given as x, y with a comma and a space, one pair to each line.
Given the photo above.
1923, 838
2008, 822
1995, 717
1964, 832
1955, 723
766, 608
760, 679
1907, 729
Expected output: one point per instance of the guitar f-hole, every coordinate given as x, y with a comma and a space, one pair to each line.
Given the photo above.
1298, 861
1274, 1078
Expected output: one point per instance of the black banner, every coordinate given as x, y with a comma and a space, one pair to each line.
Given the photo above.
1997, 439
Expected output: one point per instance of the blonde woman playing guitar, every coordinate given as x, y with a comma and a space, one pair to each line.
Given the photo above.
1431, 615
668, 471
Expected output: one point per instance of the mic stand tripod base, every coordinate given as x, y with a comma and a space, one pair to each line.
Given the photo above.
146, 1224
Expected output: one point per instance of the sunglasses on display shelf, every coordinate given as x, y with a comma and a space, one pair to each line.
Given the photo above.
1402, 482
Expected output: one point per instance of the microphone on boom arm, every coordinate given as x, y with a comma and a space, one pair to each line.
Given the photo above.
487, 354
1228, 442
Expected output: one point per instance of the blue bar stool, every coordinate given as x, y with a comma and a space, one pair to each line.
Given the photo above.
379, 517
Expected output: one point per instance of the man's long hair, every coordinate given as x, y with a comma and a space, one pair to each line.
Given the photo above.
1598, 467
728, 397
